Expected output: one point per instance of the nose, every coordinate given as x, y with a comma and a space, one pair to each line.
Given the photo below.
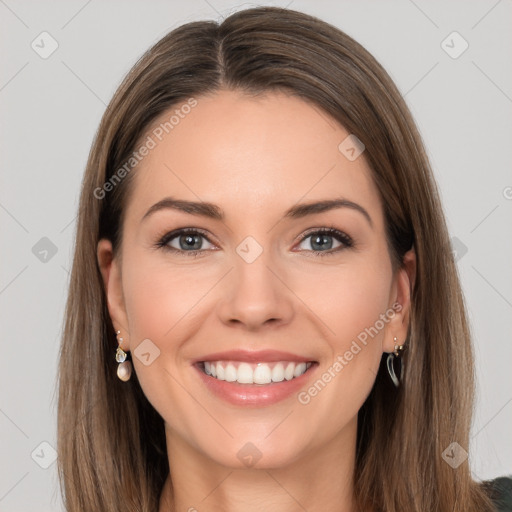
255, 296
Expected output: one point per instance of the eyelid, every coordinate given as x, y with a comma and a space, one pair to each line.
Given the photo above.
324, 229
164, 240
345, 239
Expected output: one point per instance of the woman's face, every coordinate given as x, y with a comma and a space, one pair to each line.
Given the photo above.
224, 261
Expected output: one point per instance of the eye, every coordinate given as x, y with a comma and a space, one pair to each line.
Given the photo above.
323, 240
189, 241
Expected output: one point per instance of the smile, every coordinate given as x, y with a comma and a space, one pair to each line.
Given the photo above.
254, 373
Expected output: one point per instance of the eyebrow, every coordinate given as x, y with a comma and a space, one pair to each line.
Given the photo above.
213, 211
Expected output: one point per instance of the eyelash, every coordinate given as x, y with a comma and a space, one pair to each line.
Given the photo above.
331, 231
343, 238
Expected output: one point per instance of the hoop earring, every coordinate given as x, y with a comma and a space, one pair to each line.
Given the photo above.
124, 368
396, 355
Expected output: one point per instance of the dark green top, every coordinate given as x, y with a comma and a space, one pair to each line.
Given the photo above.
500, 491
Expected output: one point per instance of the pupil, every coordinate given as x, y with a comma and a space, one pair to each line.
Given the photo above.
190, 242
321, 242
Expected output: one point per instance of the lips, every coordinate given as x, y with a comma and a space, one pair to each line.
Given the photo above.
256, 378
260, 356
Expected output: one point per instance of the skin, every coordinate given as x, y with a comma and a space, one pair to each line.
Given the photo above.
255, 157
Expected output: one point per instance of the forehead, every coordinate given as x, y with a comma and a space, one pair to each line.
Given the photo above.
248, 154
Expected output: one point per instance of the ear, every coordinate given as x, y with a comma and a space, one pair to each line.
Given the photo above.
400, 302
111, 273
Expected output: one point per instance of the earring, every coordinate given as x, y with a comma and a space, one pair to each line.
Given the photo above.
124, 369
396, 355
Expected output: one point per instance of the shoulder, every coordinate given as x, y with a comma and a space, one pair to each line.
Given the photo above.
500, 492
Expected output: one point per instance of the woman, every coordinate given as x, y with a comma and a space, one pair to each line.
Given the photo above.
260, 236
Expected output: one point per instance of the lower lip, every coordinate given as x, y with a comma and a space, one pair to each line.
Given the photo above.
257, 395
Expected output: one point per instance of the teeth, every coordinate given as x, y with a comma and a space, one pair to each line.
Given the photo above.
278, 373
254, 373
230, 373
288, 373
299, 369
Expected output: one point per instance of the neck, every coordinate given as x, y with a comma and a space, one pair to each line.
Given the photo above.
319, 480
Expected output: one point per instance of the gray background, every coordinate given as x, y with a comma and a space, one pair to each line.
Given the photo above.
50, 110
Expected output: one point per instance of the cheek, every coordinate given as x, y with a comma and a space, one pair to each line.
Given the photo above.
162, 304
365, 296
347, 299
159, 296
355, 301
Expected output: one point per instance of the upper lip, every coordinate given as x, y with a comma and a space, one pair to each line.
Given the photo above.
263, 356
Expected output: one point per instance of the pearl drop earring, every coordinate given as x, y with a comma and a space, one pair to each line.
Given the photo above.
124, 369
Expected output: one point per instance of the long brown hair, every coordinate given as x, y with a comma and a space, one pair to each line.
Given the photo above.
111, 441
